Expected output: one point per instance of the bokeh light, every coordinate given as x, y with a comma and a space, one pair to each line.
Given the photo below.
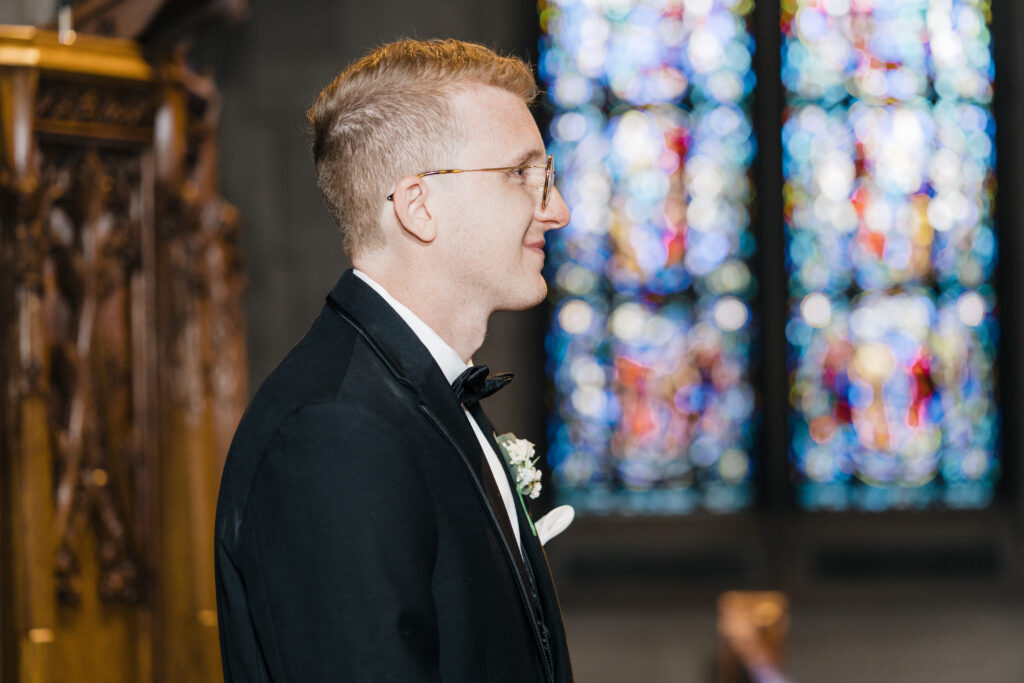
888, 165
650, 343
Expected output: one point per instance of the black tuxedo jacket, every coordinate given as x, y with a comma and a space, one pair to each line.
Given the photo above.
354, 537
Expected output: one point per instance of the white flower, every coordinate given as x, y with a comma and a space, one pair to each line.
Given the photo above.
521, 456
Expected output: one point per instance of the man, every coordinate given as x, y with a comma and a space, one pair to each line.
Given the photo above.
367, 529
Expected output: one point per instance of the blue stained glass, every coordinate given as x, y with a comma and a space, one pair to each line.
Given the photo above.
649, 345
888, 166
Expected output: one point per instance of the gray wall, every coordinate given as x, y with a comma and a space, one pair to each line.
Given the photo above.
32, 12
270, 68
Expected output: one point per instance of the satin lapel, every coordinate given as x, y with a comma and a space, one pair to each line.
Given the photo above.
399, 348
526, 527
541, 585
498, 506
406, 356
541, 574
448, 416
465, 442
549, 604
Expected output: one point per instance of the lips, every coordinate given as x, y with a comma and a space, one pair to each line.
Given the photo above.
537, 245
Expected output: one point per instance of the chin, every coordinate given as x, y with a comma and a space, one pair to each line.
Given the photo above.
527, 298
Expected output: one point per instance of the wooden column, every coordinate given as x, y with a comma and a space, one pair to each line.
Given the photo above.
122, 362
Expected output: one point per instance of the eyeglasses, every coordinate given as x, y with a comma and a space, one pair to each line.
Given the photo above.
531, 176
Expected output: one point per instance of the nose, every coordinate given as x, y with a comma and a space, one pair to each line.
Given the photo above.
556, 214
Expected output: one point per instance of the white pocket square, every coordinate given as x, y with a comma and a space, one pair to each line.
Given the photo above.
554, 523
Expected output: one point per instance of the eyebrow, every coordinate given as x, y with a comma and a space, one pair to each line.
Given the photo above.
528, 156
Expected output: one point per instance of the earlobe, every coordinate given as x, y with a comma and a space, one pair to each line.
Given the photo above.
411, 209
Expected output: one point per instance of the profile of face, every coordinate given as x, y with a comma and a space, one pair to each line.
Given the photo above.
491, 226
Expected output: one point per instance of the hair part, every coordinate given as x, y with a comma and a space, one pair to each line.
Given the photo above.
387, 116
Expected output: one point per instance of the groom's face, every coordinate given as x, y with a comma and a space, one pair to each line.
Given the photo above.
495, 223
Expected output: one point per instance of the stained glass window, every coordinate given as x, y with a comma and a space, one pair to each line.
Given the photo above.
888, 166
650, 342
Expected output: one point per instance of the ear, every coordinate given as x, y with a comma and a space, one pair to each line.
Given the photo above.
411, 210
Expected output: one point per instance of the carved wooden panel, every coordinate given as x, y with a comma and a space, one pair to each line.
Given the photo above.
95, 110
93, 257
122, 365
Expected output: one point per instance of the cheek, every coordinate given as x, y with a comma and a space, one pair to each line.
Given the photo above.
496, 229
515, 201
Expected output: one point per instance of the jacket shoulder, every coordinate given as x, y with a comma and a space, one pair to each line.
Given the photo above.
331, 384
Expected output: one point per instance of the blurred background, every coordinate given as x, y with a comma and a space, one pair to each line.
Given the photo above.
777, 372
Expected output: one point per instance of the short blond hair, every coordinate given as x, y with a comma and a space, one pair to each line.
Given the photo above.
388, 115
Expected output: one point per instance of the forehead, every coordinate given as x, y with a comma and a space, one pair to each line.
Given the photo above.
495, 122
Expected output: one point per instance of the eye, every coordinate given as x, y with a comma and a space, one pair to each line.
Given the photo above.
519, 172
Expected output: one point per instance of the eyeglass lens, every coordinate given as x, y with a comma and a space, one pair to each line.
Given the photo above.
549, 177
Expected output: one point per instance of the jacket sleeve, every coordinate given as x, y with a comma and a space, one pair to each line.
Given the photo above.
343, 543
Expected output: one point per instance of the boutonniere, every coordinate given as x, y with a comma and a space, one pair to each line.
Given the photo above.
521, 457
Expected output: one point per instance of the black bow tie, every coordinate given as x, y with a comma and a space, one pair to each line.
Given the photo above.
474, 384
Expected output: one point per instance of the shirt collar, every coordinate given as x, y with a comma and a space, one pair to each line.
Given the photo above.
444, 355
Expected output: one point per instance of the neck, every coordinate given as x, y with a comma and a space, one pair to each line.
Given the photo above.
450, 312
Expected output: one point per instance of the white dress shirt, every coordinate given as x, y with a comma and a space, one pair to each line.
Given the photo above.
452, 366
